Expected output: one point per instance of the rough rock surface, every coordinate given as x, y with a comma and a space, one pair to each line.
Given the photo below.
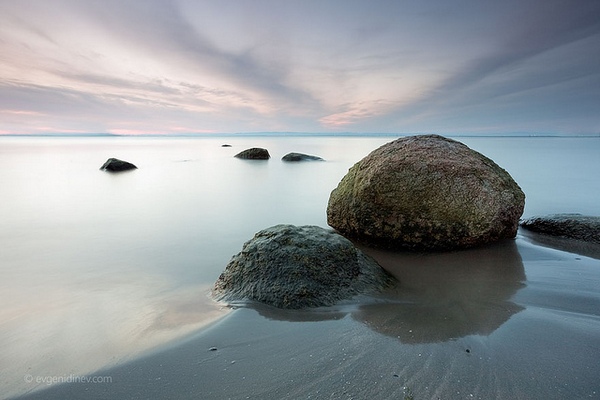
295, 267
573, 226
255, 153
300, 157
116, 165
426, 193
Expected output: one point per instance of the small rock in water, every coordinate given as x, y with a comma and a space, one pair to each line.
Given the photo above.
300, 157
573, 226
255, 153
212, 349
116, 165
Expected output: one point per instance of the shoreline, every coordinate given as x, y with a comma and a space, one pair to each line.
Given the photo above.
507, 331
167, 318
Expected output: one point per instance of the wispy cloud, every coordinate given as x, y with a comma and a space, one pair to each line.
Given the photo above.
235, 66
543, 52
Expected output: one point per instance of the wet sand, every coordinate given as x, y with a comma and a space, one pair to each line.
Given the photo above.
516, 320
76, 330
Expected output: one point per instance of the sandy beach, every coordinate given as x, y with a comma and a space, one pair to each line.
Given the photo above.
515, 320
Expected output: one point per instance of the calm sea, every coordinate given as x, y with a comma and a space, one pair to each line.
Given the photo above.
96, 267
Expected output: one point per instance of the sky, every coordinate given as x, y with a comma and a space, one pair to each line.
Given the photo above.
377, 66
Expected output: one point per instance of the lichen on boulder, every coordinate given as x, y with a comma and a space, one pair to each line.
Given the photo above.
426, 192
296, 267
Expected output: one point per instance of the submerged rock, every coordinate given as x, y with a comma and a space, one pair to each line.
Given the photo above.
116, 165
255, 153
295, 267
426, 193
300, 157
572, 226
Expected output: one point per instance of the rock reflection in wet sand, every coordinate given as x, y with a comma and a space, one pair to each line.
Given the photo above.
445, 296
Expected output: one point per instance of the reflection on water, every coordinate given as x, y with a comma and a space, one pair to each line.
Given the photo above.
334, 312
440, 296
446, 296
78, 328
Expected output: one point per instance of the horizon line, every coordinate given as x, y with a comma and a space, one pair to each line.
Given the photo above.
293, 133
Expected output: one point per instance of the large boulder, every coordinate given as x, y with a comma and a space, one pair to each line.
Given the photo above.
116, 165
300, 157
295, 267
426, 193
572, 226
255, 153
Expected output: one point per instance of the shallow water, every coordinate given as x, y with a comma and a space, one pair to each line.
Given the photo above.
509, 321
97, 267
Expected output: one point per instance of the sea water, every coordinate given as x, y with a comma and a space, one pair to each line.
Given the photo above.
96, 267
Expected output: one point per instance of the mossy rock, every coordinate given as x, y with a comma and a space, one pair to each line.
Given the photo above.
296, 267
426, 192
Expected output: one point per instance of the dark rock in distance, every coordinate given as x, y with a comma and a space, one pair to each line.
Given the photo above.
116, 165
255, 153
296, 267
426, 193
572, 226
225, 145
300, 157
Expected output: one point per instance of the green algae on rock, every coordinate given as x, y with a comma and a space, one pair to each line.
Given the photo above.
426, 192
296, 267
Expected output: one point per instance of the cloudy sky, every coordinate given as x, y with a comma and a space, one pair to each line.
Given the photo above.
401, 66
